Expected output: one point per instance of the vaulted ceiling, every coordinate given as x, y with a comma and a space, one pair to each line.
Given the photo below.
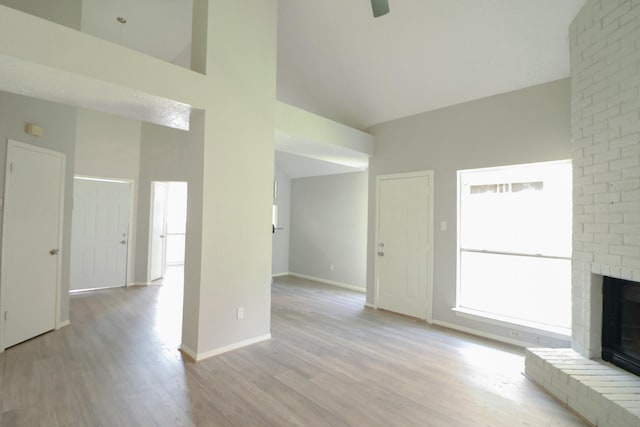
336, 60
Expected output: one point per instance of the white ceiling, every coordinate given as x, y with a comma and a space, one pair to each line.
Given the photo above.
336, 60
296, 166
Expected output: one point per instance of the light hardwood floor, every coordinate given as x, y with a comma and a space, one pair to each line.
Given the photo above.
331, 362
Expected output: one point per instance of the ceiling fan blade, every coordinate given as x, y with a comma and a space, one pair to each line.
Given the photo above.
380, 7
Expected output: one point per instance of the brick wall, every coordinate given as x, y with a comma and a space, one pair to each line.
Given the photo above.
605, 86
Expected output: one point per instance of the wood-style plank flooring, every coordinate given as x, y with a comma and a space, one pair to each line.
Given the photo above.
331, 362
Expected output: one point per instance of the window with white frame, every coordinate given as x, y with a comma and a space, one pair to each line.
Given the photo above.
514, 244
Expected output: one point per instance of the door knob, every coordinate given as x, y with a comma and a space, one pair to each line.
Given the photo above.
54, 251
380, 253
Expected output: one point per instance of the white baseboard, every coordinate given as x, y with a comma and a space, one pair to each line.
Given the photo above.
369, 305
215, 352
63, 324
286, 273
139, 284
475, 332
186, 350
105, 288
330, 282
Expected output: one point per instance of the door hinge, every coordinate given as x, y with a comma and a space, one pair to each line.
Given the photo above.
5, 315
10, 167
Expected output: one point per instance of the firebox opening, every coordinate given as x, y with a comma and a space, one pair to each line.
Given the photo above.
621, 323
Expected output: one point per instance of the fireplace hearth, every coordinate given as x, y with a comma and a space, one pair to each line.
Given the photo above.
621, 323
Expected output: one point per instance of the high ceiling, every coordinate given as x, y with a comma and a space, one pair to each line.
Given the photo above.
336, 60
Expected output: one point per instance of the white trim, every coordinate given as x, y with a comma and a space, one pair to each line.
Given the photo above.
330, 282
482, 334
430, 229
369, 305
192, 354
104, 288
286, 273
103, 179
63, 324
215, 352
520, 165
517, 324
61, 201
139, 284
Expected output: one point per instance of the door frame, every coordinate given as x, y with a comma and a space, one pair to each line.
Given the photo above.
130, 228
63, 159
430, 186
152, 214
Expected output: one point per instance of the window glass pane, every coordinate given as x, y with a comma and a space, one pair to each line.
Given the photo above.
525, 209
527, 288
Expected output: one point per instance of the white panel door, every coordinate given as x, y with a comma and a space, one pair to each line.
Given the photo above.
32, 224
99, 234
402, 245
160, 192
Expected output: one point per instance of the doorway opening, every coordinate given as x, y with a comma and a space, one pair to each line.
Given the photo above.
167, 236
167, 232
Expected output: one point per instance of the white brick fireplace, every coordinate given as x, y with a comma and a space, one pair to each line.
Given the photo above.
605, 105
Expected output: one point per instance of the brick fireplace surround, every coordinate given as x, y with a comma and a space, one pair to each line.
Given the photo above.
605, 110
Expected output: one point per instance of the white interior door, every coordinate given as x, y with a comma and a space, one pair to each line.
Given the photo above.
159, 192
31, 241
403, 242
100, 234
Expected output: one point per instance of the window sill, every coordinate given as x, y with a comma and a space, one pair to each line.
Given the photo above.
512, 323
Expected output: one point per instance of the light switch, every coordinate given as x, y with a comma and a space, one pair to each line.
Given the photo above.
443, 225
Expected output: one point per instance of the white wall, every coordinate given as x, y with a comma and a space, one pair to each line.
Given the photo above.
237, 178
329, 227
107, 146
524, 126
280, 239
59, 123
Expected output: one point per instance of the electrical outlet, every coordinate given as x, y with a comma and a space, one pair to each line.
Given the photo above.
330, 267
240, 313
